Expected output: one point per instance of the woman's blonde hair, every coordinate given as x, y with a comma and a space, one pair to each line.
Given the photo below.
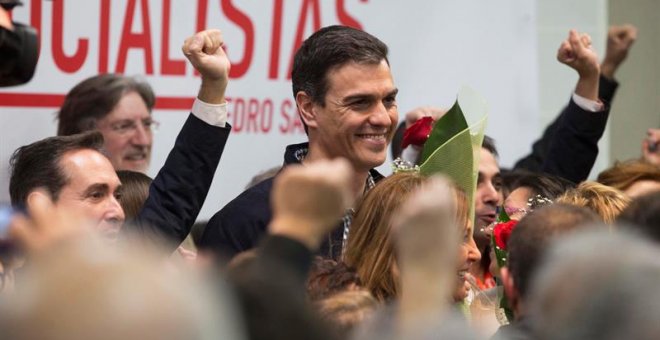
604, 200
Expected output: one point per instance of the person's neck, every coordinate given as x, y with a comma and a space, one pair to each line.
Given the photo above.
359, 177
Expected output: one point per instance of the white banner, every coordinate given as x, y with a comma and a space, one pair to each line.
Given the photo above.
435, 48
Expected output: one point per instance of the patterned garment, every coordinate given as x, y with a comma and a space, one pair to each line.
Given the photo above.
299, 155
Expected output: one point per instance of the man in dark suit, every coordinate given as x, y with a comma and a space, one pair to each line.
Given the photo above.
346, 97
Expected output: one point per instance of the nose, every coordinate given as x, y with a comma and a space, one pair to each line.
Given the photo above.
489, 194
474, 255
142, 135
115, 213
381, 116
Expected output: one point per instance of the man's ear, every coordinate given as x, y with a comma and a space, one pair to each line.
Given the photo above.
36, 197
306, 108
510, 289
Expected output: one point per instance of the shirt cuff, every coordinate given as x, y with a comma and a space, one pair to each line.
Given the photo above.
588, 104
212, 114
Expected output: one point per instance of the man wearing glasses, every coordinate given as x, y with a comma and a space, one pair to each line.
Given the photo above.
120, 108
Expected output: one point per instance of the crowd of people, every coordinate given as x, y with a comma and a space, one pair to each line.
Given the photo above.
326, 247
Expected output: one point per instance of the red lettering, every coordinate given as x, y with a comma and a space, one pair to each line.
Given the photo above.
238, 69
228, 99
252, 113
136, 40
284, 112
35, 17
239, 108
104, 36
267, 116
302, 21
64, 62
168, 65
343, 16
202, 7
275, 40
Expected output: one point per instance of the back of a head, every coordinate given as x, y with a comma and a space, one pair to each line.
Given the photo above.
95, 97
37, 165
643, 214
370, 248
327, 277
84, 289
134, 191
624, 174
605, 201
328, 48
347, 310
580, 294
545, 185
535, 232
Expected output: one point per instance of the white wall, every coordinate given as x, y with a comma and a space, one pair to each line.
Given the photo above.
557, 81
436, 47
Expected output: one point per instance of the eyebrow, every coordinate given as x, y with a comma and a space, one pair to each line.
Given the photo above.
97, 187
368, 96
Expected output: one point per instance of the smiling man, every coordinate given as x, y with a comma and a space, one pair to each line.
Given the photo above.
346, 97
74, 173
120, 108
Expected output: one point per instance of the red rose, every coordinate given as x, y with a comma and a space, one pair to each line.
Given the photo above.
418, 133
502, 232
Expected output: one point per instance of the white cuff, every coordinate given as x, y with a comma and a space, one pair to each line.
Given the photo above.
588, 104
212, 114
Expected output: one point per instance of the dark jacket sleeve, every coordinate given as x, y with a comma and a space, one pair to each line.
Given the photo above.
239, 225
271, 292
574, 148
535, 160
288, 253
177, 193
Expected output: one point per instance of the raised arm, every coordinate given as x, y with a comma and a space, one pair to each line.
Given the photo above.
619, 42
178, 191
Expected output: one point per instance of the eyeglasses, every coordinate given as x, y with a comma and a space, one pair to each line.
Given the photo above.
130, 127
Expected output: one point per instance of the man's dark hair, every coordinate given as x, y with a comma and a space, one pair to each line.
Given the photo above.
534, 234
546, 185
643, 214
489, 144
328, 48
37, 165
93, 98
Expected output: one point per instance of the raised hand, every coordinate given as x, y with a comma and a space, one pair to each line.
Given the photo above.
205, 53
46, 225
308, 201
651, 147
427, 242
619, 41
576, 52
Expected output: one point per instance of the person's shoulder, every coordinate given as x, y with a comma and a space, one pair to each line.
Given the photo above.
252, 204
240, 224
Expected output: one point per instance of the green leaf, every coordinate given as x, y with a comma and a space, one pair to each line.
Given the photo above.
449, 125
503, 216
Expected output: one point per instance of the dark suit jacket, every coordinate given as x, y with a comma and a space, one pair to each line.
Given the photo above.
177, 193
569, 146
240, 224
